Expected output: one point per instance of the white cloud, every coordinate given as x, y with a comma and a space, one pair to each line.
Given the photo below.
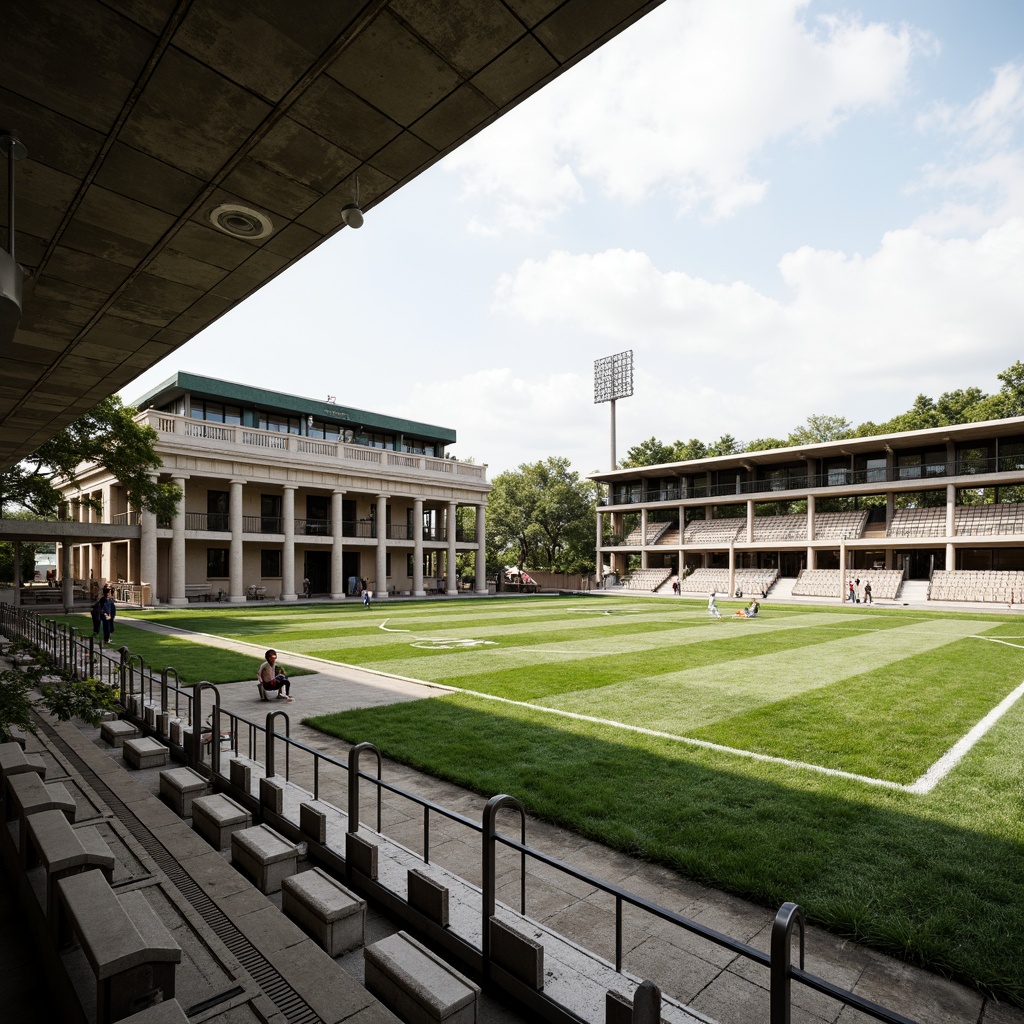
983, 176
857, 336
681, 104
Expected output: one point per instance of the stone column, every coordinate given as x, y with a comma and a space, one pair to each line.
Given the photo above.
480, 586
288, 555
17, 573
417, 548
85, 550
950, 556
147, 553
380, 587
842, 570
177, 592
950, 510
750, 520
598, 541
812, 561
337, 545
451, 586
811, 513
732, 568
107, 570
67, 581
236, 565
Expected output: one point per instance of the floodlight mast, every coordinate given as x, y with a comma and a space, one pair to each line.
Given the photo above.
613, 378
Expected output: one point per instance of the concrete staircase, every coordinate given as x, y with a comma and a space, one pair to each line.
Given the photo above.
782, 588
913, 592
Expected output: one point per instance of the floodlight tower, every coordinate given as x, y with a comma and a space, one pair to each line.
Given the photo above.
613, 378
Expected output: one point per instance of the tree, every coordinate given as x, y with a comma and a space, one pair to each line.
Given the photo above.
725, 445
820, 428
108, 436
761, 444
541, 515
28, 557
649, 453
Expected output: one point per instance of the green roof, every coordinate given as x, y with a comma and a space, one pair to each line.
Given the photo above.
268, 399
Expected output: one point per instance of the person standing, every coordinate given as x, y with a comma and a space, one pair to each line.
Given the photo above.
104, 612
867, 592
713, 611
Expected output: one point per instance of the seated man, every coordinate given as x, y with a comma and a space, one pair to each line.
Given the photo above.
750, 612
271, 677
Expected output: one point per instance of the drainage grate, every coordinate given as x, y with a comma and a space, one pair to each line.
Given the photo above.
263, 972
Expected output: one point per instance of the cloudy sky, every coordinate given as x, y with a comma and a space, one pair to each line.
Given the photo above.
782, 207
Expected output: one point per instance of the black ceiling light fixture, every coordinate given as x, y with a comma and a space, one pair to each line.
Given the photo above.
351, 213
12, 276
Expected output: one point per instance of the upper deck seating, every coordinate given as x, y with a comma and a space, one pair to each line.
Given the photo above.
918, 522
715, 531
1003, 518
635, 537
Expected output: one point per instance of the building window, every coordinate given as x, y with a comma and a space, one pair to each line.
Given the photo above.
409, 564
280, 424
217, 505
216, 563
270, 564
215, 412
387, 564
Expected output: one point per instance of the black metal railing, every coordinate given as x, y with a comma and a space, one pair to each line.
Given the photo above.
161, 699
831, 478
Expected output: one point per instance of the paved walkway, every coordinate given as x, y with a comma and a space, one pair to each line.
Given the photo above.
728, 989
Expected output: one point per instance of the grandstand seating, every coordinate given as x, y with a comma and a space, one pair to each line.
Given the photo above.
995, 586
839, 525
918, 522
670, 537
1003, 518
715, 531
885, 583
750, 581
635, 537
769, 528
646, 579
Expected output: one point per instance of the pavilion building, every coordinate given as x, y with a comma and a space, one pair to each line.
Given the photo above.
942, 508
284, 495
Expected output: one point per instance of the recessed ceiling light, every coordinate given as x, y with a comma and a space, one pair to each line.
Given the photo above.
241, 222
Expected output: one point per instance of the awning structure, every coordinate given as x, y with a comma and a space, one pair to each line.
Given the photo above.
181, 153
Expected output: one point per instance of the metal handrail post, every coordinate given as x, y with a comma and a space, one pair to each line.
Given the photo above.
353, 781
647, 1004
270, 734
197, 727
123, 671
488, 824
782, 930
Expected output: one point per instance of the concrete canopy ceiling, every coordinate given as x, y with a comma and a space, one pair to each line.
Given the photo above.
141, 117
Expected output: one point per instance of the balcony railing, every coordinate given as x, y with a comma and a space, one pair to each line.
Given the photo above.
218, 522
219, 434
932, 471
313, 527
125, 519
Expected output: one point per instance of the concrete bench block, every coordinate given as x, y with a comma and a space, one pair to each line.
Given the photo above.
135, 706
180, 786
177, 732
518, 954
418, 985
428, 896
313, 821
18, 735
618, 1008
216, 817
144, 752
167, 1012
129, 949
264, 856
14, 761
272, 795
63, 851
151, 711
115, 733
28, 795
240, 774
322, 907
361, 854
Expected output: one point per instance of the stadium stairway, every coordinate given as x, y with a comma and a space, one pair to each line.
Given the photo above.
913, 592
782, 589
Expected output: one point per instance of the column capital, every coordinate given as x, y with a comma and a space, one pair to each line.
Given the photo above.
289, 487
241, 481
338, 490
383, 497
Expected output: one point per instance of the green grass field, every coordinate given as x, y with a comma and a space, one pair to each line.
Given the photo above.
796, 756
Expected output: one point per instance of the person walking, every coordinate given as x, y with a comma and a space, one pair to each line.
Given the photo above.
104, 612
366, 598
272, 677
713, 611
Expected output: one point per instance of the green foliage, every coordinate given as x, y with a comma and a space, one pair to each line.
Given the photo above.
107, 436
87, 699
819, 428
541, 516
15, 703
